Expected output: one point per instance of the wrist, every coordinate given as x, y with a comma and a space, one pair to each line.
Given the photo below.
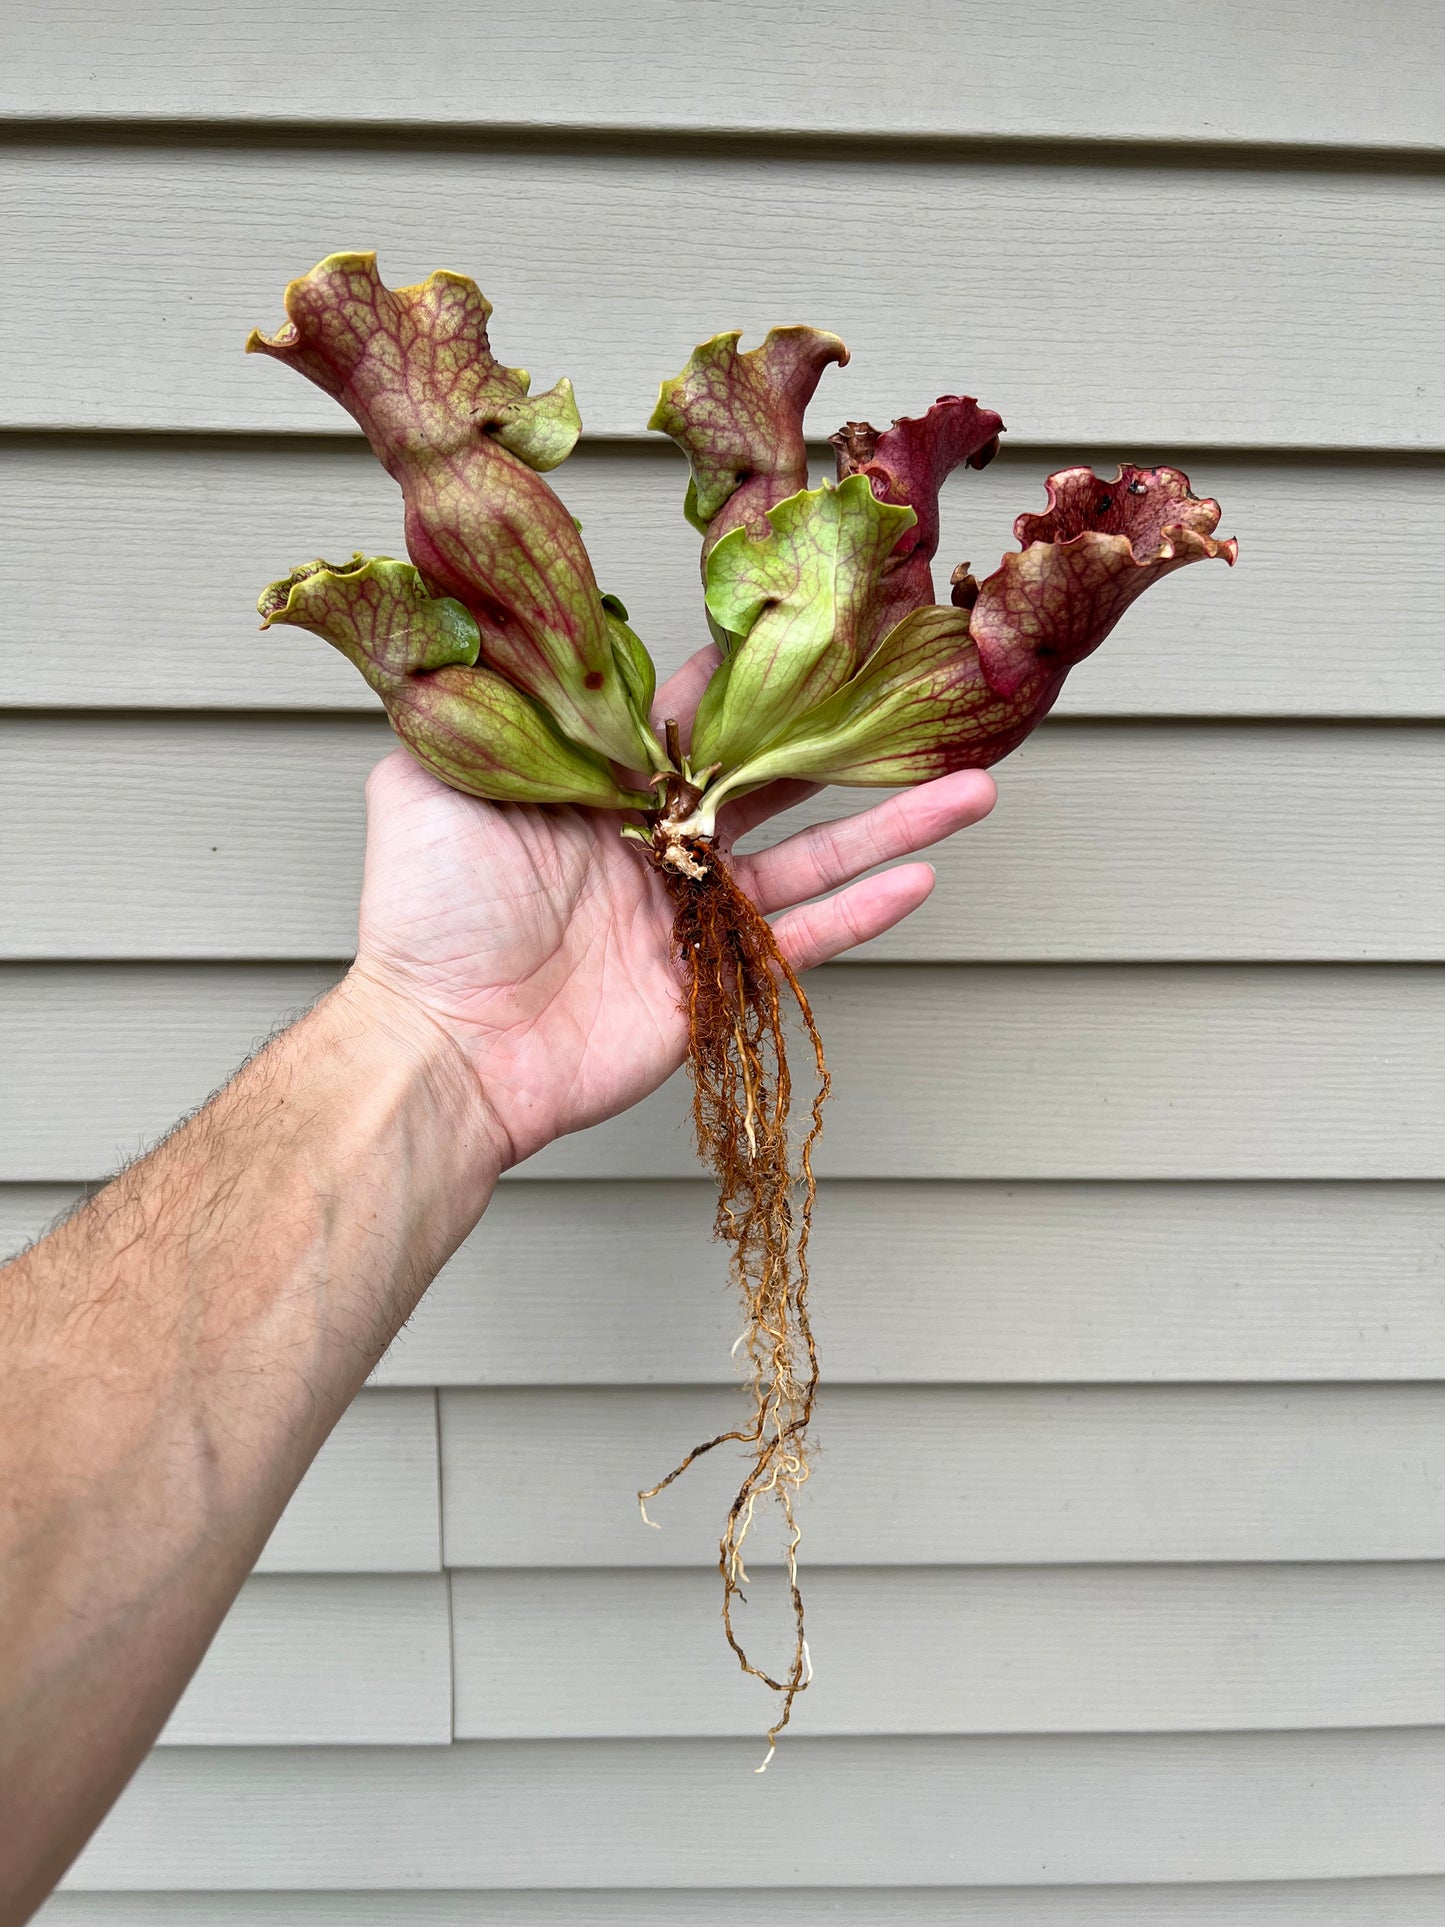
412, 1060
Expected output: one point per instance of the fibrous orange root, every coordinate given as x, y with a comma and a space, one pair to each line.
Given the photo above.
737, 986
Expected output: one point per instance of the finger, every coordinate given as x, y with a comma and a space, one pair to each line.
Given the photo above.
736, 819
828, 854
680, 695
815, 932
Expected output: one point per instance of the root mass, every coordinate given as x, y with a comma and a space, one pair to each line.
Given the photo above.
737, 990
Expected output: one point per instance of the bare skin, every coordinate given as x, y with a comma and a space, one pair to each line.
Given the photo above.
175, 1354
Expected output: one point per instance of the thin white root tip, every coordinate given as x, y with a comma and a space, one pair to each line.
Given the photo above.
772, 1749
738, 1343
808, 1662
642, 1508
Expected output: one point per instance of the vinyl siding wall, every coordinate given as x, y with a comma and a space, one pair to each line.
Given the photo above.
1126, 1548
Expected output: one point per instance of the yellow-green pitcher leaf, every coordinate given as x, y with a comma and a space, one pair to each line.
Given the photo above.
463, 721
795, 602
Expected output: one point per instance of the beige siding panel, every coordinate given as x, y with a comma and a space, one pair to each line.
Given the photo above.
1409, 1902
360, 1660
249, 818
1093, 1649
867, 1812
986, 1282
371, 1501
943, 1476
180, 534
1190, 1071
1183, 304
122, 837
143, 1047
1189, 841
1329, 76
940, 1071
28, 1211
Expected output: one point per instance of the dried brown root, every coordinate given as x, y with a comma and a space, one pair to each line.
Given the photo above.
737, 989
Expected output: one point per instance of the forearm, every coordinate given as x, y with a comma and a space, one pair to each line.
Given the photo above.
172, 1358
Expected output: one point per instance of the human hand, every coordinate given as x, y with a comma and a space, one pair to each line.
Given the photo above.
540, 941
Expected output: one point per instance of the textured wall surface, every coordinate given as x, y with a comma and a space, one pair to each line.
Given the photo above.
1127, 1539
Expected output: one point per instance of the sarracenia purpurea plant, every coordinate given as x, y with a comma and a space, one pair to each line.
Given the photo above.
509, 675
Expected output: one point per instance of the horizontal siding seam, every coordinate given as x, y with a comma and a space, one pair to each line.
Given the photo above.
1183, 449
644, 445
761, 141
825, 1741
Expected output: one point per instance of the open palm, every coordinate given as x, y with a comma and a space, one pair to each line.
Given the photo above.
540, 940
